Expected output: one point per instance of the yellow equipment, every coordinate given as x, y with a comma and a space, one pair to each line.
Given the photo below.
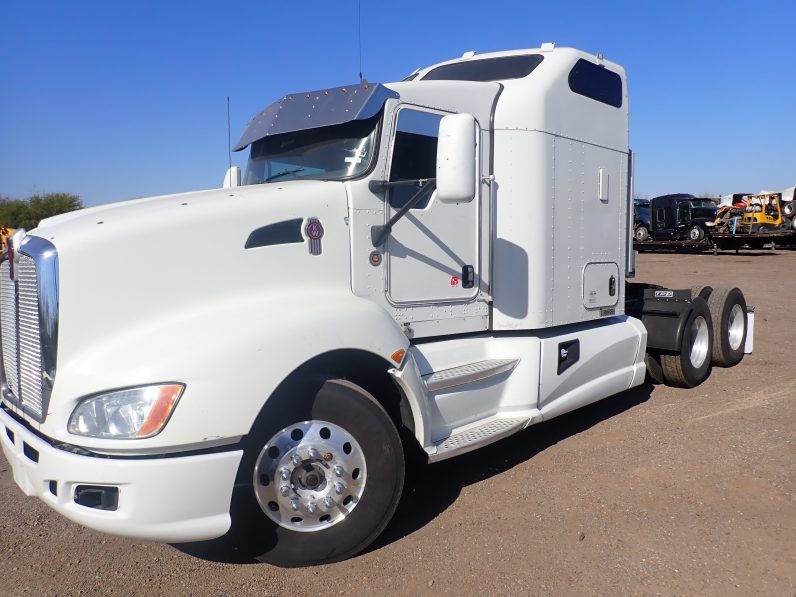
4, 234
754, 213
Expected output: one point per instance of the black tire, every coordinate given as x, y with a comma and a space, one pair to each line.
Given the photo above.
356, 412
696, 233
641, 234
789, 209
728, 312
703, 291
654, 372
684, 369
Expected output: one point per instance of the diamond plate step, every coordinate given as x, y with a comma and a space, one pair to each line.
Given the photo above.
475, 437
465, 374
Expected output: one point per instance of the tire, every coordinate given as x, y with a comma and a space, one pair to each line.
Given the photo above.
703, 291
273, 516
691, 366
696, 233
789, 209
654, 372
728, 312
641, 234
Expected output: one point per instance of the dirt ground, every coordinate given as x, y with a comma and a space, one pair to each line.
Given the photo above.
653, 491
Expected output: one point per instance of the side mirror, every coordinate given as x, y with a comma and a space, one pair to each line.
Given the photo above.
232, 178
456, 159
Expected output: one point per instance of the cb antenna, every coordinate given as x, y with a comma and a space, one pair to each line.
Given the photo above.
359, 37
229, 137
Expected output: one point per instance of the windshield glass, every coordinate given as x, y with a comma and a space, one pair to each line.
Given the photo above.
328, 153
702, 203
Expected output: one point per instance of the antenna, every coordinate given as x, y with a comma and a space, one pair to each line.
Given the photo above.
229, 136
359, 36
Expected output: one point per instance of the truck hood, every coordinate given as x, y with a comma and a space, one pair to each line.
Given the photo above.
146, 264
169, 210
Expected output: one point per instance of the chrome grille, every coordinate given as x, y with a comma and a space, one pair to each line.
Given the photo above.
29, 324
8, 325
30, 365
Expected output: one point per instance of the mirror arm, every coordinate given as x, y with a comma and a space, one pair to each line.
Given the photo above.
379, 186
379, 234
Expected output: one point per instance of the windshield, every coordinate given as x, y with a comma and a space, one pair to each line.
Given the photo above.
703, 203
327, 153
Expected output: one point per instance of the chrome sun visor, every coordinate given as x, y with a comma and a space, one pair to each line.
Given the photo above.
314, 109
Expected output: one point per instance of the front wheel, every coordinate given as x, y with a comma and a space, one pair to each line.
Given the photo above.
326, 476
641, 234
695, 233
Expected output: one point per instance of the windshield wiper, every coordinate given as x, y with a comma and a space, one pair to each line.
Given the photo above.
283, 173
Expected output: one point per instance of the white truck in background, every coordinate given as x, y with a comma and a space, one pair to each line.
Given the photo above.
429, 265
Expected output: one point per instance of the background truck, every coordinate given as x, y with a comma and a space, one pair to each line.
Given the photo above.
409, 272
678, 217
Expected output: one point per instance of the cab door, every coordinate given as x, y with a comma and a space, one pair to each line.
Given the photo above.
433, 252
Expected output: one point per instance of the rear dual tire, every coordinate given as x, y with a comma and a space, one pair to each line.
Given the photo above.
690, 366
728, 313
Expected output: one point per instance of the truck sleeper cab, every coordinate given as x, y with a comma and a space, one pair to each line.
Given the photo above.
422, 267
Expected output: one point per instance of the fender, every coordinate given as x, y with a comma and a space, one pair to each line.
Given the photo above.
231, 356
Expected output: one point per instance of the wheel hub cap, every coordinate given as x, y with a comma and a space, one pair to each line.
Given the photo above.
735, 326
309, 476
699, 342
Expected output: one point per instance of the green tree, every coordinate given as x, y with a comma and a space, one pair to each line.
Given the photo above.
27, 213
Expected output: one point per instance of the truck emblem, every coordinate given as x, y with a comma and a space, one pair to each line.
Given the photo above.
664, 294
314, 230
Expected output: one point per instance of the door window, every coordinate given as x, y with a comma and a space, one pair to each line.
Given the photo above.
414, 154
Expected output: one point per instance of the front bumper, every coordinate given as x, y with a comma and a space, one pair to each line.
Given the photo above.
174, 499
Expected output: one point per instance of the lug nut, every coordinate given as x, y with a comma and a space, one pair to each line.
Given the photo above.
338, 470
284, 490
313, 453
296, 459
339, 487
294, 503
328, 502
311, 508
285, 474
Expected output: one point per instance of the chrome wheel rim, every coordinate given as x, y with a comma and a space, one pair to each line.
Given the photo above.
310, 476
735, 326
700, 336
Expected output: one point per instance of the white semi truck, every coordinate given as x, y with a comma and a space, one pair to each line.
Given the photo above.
420, 267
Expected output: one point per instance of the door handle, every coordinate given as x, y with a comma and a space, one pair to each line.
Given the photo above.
468, 276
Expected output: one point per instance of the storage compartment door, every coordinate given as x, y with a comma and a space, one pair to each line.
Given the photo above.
600, 285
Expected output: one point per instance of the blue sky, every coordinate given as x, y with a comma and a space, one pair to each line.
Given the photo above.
114, 100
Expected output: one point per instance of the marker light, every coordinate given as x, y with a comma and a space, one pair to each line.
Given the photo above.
134, 413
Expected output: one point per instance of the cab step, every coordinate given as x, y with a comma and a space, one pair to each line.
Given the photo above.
476, 436
467, 374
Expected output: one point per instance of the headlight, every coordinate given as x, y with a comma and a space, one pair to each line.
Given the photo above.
134, 413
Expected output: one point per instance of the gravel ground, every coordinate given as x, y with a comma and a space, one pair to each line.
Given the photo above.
653, 491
